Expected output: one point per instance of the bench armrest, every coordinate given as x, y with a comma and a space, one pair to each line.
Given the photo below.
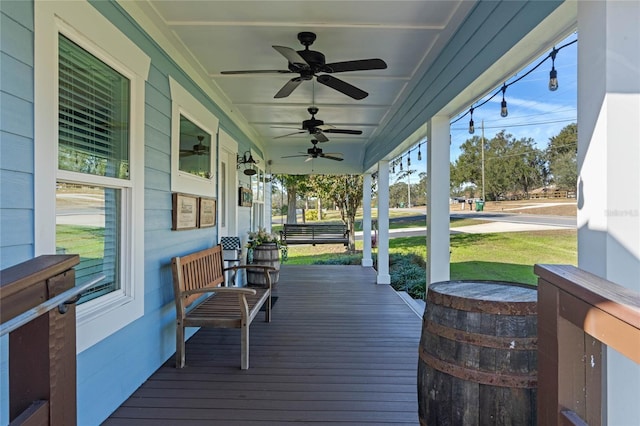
263, 267
237, 290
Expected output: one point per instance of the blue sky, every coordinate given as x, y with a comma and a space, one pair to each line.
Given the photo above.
534, 111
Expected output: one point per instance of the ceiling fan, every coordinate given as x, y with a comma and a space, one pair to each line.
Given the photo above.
317, 128
316, 152
308, 63
198, 149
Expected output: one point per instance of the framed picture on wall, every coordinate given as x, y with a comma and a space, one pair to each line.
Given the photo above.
245, 197
184, 212
207, 212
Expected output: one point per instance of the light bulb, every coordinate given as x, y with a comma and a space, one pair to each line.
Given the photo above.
553, 80
503, 105
408, 162
419, 155
472, 129
503, 108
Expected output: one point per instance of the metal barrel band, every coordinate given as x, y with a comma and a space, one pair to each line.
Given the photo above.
485, 340
482, 377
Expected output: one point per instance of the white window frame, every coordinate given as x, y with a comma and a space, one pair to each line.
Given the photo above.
185, 104
85, 26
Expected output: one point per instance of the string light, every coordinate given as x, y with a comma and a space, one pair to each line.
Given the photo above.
503, 105
553, 74
401, 163
408, 160
393, 167
553, 86
419, 153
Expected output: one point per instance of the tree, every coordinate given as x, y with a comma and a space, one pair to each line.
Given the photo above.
561, 155
346, 192
510, 165
291, 183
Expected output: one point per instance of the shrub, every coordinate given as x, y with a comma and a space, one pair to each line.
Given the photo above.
408, 274
346, 259
311, 214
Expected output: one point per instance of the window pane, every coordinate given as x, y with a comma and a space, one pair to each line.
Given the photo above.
93, 116
88, 224
195, 149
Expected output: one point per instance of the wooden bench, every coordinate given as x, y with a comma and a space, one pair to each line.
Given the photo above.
315, 234
201, 301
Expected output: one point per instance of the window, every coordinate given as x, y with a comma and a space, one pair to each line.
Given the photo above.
195, 149
193, 144
93, 139
89, 115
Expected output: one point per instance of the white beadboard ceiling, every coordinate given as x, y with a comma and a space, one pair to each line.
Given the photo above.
216, 36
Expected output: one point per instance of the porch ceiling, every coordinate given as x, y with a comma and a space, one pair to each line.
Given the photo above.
410, 36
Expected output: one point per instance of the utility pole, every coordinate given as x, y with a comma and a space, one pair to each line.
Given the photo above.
482, 148
408, 188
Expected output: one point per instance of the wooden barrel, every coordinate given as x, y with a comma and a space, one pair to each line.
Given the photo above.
478, 354
264, 254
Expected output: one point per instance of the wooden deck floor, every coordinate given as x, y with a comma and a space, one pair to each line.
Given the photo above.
339, 350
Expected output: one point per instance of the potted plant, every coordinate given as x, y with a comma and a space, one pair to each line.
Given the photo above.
264, 248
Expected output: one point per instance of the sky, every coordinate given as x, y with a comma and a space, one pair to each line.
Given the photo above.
534, 111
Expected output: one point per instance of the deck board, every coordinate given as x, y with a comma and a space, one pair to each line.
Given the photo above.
340, 350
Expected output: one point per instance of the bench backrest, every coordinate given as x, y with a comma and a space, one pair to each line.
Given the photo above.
314, 230
195, 271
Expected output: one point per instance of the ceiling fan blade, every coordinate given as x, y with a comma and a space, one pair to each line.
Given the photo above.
332, 156
292, 156
320, 136
342, 86
292, 56
309, 159
360, 65
344, 131
289, 134
256, 72
289, 87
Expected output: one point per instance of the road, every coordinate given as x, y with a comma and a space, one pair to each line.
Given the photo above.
497, 222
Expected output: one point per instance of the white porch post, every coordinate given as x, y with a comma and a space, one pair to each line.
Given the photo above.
366, 221
268, 206
438, 200
608, 170
383, 223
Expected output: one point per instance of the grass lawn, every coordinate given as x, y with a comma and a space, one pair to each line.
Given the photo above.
507, 256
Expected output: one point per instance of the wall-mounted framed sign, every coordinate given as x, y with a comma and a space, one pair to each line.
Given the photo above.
245, 197
207, 212
184, 212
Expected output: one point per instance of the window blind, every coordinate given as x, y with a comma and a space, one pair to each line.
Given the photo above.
93, 120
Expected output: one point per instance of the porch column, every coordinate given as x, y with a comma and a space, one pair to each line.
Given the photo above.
438, 199
366, 221
608, 171
268, 209
383, 223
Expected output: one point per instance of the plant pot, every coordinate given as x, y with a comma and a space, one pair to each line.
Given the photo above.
266, 254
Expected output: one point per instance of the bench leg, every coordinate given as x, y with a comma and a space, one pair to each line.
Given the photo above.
244, 346
267, 311
180, 356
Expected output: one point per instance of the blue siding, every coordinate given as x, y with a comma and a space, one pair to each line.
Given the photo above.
16, 152
111, 370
